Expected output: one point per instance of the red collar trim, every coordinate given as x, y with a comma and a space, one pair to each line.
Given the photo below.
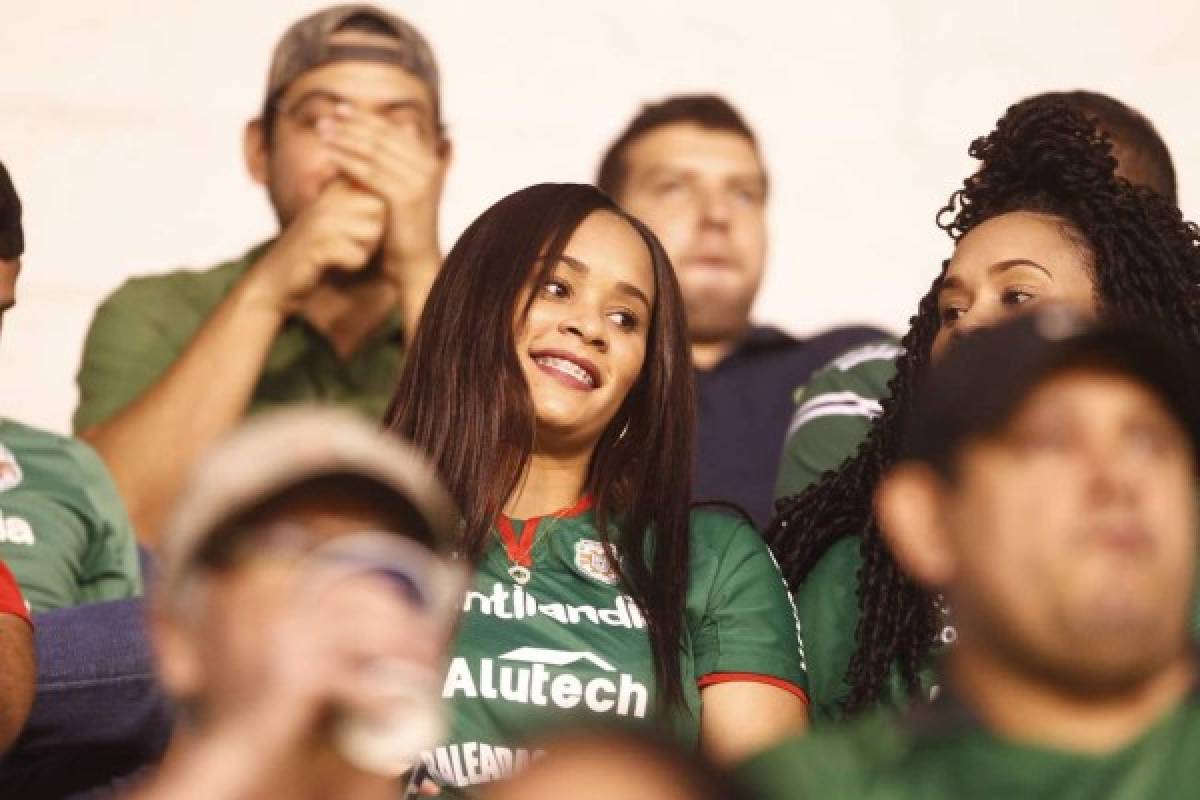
520, 549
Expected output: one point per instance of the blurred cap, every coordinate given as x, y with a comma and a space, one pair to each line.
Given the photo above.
306, 45
982, 380
277, 451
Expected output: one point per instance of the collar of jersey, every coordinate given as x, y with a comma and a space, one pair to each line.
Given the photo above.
581, 506
519, 547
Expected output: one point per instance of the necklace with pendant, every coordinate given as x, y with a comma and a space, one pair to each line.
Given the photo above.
519, 549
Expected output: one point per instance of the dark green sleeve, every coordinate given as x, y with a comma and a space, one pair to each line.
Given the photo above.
827, 603
748, 624
129, 345
833, 415
111, 569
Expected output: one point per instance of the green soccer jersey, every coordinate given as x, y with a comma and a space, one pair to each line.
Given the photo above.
939, 753
827, 603
834, 411
143, 328
570, 643
63, 530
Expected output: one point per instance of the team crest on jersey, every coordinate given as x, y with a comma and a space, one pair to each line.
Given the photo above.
591, 559
10, 470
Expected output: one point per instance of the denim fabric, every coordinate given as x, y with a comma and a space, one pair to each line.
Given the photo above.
99, 714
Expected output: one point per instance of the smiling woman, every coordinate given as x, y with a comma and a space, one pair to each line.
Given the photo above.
550, 381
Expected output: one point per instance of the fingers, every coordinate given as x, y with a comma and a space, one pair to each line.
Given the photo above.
389, 160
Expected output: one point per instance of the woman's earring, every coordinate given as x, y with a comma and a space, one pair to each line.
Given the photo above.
624, 431
948, 635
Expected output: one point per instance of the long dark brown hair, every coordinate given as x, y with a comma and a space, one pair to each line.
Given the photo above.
1042, 157
464, 399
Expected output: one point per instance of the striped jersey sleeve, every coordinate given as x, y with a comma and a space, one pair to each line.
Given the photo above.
834, 412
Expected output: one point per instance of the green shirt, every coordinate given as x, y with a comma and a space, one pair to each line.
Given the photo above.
144, 326
834, 413
940, 752
571, 645
63, 530
827, 603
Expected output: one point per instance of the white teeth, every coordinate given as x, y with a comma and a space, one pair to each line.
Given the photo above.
567, 367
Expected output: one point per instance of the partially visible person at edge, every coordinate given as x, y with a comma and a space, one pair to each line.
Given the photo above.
351, 149
550, 384
1046, 492
1044, 219
18, 664
63, 530
302, 619
691, 169
833, 412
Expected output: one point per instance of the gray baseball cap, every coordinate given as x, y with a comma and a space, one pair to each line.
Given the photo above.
280, 450
306, 45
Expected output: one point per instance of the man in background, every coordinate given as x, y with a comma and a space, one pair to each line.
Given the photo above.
691, 169
351, 148
1055, 517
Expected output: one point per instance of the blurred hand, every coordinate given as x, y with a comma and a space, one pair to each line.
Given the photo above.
341, 229
403, 168
316, 657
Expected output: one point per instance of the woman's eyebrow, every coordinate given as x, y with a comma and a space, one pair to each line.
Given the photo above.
622, 286
1004, 266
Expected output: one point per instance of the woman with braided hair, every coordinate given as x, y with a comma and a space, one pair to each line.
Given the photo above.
1043, 219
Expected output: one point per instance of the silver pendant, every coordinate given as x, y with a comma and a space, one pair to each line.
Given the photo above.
520, 574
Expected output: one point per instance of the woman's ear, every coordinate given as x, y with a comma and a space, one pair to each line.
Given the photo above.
910, 507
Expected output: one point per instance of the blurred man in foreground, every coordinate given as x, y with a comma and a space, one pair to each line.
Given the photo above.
1055, 515
303, 613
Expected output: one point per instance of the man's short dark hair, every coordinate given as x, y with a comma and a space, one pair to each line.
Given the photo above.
1147, 160
12, 235
708, 111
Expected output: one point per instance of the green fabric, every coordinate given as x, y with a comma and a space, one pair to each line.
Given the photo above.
894, 757
63, 530
834, 412
827, 603
144, 326
587, 648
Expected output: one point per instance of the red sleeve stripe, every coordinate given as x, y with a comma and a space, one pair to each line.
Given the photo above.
11, 601
753, 677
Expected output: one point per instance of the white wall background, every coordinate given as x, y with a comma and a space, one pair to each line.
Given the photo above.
121, 121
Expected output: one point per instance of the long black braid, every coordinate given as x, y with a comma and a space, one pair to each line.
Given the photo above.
1042, 157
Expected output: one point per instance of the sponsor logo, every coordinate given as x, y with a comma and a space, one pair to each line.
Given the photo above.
468, 763
10, 470
520, 604
525, 680
15, 530
593, 560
